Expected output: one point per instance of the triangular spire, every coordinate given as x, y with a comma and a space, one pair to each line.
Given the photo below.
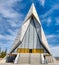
32, 11
24, 28
30, 39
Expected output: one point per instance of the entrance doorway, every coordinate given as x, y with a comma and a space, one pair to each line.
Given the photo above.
11, 58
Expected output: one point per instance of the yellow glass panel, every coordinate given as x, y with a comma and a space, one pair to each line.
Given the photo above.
33, 50
37, 51
40, 51
26, 50
23, 50
18, 50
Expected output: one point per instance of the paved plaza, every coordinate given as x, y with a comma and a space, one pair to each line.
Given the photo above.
29, 64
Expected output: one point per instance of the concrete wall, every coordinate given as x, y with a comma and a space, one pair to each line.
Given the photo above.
50, 59
29, 58
23, 59
33, 58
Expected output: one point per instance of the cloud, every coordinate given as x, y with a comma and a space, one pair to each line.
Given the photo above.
10, 21
57, 31
48, 21
13, 32
6, 46
16, 21
47, 17
55, 51
7, 11
53, 39
52, 36
50, 11
6, 37
3, 46
57, 21
9, 16
7, 40
42, 2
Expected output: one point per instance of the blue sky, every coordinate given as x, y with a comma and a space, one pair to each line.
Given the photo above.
13, 12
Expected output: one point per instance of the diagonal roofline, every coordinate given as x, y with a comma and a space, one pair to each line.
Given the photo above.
32, 11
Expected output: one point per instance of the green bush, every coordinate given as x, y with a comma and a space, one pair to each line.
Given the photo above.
2, 54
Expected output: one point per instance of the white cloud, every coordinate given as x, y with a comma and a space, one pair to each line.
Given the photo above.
9, 37
48, 21
9, 40
57, 31
1, 36
12, 18
42, 2
46, 17
52, 36
55, 51
6, 37
6, 8
50, 11
13, 33
5, 46
7, 11
57, 21
16, 21
53, 39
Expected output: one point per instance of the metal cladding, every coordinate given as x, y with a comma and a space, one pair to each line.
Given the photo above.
32, 14
30, 45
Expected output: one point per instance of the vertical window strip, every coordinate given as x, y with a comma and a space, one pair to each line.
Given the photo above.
37, 33
24, 41
33, 34
40, 41
29, 34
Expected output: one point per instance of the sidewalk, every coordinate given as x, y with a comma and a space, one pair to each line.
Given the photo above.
30, 64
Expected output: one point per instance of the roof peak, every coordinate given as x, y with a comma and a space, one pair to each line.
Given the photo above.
32, 8
33, 11
32, 5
